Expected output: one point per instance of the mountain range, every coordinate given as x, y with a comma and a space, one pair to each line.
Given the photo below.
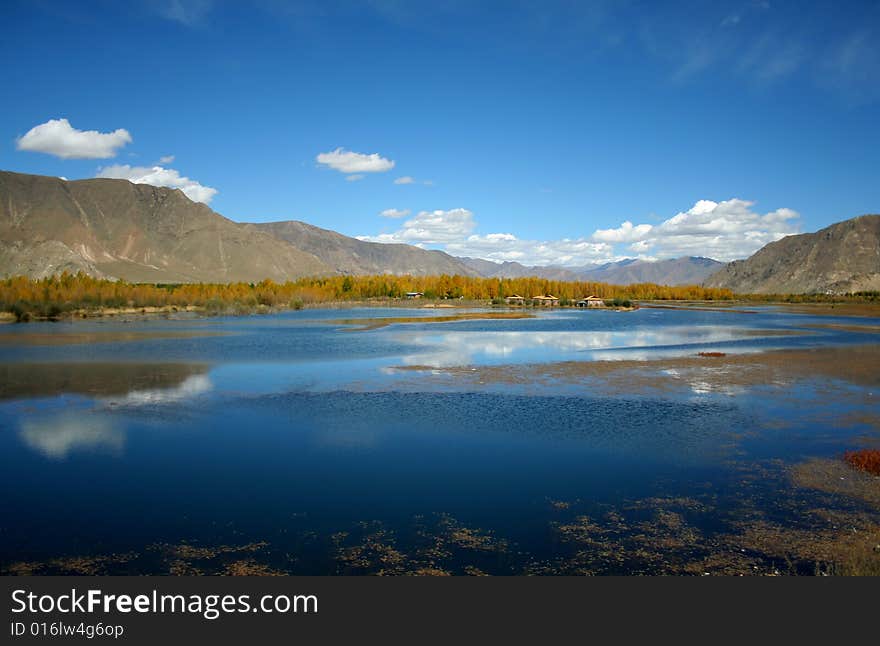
141, 233
689, 270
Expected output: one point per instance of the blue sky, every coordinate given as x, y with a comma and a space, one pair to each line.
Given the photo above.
531, 131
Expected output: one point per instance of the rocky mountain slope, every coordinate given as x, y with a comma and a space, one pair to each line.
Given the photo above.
844, 257
352, 256
111, 227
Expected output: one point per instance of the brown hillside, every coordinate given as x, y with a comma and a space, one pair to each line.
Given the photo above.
841, 258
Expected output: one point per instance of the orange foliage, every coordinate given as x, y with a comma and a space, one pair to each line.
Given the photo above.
864, 460
49, 297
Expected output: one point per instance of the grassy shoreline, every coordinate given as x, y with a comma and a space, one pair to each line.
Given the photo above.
850, 309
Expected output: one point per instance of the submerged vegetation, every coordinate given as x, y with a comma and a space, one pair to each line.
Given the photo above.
57, 296
667, 534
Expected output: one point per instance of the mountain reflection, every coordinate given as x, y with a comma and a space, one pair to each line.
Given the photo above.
141, 380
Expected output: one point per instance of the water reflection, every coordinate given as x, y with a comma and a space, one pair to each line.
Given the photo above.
191, 387
499, 347
34, 380
303, 431
57, 436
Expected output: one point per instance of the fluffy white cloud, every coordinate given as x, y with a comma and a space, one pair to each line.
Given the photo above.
159, 176
453, 230
626, 232
57, 137
722, 230
431, 227
394, 213
167, 159
346, 161
502, 247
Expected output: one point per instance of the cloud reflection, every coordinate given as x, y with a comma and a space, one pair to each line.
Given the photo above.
190, 387
469, 348
56, 437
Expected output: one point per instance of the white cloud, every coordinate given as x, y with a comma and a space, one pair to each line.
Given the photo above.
354, 178
57, 137
626, 232
395, 213
453, 230
159, 176
507, 247
346, 161
722, 230
167, 159
431, 227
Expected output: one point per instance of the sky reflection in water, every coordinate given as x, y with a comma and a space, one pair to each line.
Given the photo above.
230, 435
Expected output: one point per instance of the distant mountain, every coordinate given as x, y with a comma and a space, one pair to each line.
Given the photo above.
489, 269
352, 256
681, 271
691, 270
140, 233
844, 257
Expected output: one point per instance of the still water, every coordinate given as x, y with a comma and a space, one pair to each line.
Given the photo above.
330, 442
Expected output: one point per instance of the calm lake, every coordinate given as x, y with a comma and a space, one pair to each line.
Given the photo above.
336, 442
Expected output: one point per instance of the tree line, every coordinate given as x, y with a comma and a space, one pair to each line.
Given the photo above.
55, 295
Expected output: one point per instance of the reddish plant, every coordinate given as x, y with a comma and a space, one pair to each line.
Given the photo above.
712, 354
864, 460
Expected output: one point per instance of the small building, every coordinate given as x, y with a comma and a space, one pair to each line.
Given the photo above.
414, 294
591, 301
515, 299
546, 300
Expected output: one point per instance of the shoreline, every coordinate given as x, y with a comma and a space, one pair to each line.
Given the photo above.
845, 309
208, 312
